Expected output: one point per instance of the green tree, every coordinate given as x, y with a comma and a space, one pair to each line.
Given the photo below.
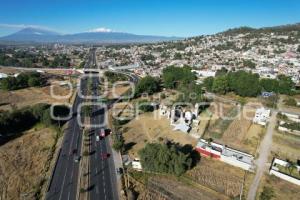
175, 76
286, 85
220, 85
249, 63
269, 85
118, 143
147, 85
165, 158
208, 83
267, 193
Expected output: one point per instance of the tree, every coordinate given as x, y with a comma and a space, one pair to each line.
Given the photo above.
249, 64
290, 102
267, 193
269, 85
177, 56
175, 76
118, 143
220, 85
33, 81
244, 83
286, 85
208, 83
221, 72
147, 85
165, 158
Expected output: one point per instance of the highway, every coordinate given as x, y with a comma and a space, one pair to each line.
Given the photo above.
64, 182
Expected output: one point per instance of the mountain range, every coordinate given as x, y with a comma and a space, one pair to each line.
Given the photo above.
45, 36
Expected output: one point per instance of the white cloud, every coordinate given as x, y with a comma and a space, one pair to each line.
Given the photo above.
101, 29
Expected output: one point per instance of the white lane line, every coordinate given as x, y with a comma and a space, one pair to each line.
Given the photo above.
66, 168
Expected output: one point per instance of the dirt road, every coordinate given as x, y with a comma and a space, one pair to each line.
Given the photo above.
264, 151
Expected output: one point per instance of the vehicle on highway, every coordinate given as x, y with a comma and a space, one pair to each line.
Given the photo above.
105, 156
102, 133
76, 159
74, 151
97, 138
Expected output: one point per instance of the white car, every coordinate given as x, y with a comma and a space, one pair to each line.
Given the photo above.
97, 138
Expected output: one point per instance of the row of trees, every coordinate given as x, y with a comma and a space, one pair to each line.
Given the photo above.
248, 84
165, 158
29, 79
14, 122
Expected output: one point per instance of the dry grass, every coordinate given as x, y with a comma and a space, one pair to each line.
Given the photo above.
30, 96
117, 92
282, 188
151, 127
155, 186
22, 162
285, 146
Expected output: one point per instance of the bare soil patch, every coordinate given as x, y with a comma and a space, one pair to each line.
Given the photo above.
150, 127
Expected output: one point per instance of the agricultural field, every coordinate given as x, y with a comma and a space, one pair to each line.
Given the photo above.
154, 186
282, 189
220, 177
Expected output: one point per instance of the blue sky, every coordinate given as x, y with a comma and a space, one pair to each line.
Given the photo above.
150, 17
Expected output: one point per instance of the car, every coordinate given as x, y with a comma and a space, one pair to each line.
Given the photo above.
97, 138
102, 132
105, 156
74, 151
76, 159
119, 170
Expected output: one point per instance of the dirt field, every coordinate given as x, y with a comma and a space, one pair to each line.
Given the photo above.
219, 176
160, 187
151, 127
235, 128
282, 188
30, 96
285, 146
118, 91
22, 163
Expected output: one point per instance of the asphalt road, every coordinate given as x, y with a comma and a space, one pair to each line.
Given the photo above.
63, 185
65, 175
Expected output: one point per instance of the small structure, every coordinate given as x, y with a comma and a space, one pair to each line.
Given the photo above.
136, 164
262, 116
225, 154
267, 94
2, 75
277, 170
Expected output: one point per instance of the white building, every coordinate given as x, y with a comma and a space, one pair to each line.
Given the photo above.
225, 154
205, 73
262, 116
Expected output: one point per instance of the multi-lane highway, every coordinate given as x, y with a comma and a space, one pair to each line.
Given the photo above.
64, 182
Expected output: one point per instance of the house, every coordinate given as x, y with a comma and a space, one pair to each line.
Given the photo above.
278, 168
262, 116
225, 154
